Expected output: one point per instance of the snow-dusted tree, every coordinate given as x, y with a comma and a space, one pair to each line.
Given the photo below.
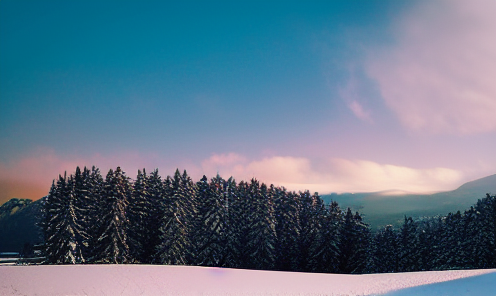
306, 217
113, 241
353, 244
64, 232
261, 233
487, 229
324, 250
154, 216
138, 211
51, 216
145, 216
94, 206
210, 231
176, 247
234, 244
428, 244
240, 220
408, 246
287, 228
384, 252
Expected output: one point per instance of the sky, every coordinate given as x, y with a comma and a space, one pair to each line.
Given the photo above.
329, 96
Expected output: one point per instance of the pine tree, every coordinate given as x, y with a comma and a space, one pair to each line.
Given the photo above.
240, 220
176, 247
408, 247
308, 234
113, 241
210, 233
233, 227
287, 229
95, 210
138, 211
261, 233
51, 215
384, 255
324, 250
353, 244
63, 231
156, 192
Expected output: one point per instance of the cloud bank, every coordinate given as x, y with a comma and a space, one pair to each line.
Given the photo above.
333, 174
31, 176
439, 75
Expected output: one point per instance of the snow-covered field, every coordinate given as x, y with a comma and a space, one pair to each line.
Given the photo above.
184, 280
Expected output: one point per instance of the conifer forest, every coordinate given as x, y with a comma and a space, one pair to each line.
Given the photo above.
87, 219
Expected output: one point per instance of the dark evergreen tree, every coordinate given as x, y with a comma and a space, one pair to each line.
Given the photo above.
176, 247
385, 251
261, 234
210, 232
113, 241
353, 244
287, 228
240, 220
306, 215
324, 250
138, 214
233, 250
428, 244
156, 192
95, 209
51, 216
63, 231
409, 253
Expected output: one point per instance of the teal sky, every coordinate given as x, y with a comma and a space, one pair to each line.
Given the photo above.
321, 95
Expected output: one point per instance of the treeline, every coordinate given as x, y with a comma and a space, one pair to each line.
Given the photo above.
455, 241
216, 222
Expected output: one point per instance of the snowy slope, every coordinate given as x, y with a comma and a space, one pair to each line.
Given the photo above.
183, 280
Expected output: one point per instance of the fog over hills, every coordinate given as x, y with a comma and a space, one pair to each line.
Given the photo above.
390, 207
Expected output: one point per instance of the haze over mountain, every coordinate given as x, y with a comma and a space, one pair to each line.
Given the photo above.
390, 207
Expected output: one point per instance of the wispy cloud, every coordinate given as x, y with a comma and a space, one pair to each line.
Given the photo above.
439, 75
350, 95
359, 111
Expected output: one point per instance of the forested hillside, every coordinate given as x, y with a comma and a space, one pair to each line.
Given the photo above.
216, 222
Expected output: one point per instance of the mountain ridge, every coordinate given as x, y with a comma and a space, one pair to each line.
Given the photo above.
380, 209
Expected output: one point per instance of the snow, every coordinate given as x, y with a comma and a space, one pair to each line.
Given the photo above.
189, 280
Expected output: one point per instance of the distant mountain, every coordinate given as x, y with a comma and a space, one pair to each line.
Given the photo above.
390, 207
18, 224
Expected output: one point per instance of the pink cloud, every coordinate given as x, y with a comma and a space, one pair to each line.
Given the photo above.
439, 76
351, 97
334, 174
359, 112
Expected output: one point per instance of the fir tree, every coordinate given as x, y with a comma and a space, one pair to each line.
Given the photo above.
210, 234
408, 247
113, 241
261, 233
287, 229
138, 210
95, 209
353, 244
324, 250
176, 247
